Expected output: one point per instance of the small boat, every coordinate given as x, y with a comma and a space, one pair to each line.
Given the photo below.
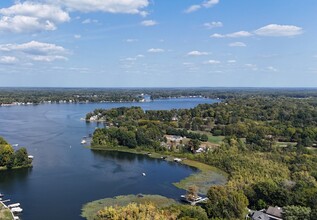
16, 210
31, 157
143, 174
15, 145
16, 218
83, 142
15, 205
1, 195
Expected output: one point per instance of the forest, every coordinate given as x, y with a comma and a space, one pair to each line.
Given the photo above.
268, 148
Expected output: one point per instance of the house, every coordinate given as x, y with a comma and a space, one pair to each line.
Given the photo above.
259, 215
275, 213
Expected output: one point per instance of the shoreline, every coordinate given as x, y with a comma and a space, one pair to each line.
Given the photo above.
6, 208
206, 174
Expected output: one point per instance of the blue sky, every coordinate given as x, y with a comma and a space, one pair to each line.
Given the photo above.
158, 43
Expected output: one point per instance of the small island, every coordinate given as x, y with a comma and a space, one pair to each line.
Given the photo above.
10, 159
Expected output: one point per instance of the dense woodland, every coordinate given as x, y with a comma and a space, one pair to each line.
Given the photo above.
10, 159
268, 150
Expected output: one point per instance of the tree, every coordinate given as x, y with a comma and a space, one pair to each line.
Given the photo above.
296, 213
225, 202
21, 157
6, 155
191, 194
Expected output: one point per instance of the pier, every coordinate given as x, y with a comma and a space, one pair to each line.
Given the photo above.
7, 212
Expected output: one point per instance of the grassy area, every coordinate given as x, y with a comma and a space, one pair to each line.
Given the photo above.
203, 179
89, 210
207, 176
2, 168
5, 214
284, 144
211, 138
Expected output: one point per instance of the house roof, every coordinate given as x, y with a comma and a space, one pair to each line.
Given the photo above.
258, 215
275, 211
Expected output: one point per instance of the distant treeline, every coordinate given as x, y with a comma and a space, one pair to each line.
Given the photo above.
79, 95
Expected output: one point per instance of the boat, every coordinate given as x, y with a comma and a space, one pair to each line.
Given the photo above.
83, 142
143, 174
15, 145
31, 157
1, 195
14, 205
16, 210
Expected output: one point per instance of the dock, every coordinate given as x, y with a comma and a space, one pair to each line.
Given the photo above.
196, 201
12, 208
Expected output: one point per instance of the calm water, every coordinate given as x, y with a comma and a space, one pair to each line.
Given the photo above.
65, 175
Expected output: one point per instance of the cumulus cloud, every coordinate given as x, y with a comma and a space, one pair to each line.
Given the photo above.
148, 23
275, 30
233, 35
214, 24
117, 6
205, 4
192, 8
212, 62
8, 60
272, 69
237, 44
251, 66
89, 21
196, 53
271, 30
231, 61
155, 50
31, 17
37, 51
77, 36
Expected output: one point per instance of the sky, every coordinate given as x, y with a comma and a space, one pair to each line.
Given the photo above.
158, 43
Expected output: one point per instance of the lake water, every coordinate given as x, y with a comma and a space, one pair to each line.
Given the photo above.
65, 174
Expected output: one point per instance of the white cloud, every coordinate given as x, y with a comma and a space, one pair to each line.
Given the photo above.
89, 21
8, 60
109, 6
214, 24
239, 34
237, 44
47, 58
196, 53
192, 8
205, 4
217, 36
252, 66
155, 50
148, 23
131, 40
232, 35
210, 3
31, 17
231, 61
275, 30
36, 51
271, 68
212, 62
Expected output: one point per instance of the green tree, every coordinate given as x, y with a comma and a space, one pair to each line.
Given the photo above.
296, 213
225, 202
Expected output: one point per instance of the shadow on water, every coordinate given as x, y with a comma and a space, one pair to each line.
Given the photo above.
9, 177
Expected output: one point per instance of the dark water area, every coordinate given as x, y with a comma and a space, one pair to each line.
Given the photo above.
65, 174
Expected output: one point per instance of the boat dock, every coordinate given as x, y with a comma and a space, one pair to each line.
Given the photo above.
12, 208
196, 201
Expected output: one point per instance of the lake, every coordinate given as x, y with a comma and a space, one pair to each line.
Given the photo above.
65, 174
